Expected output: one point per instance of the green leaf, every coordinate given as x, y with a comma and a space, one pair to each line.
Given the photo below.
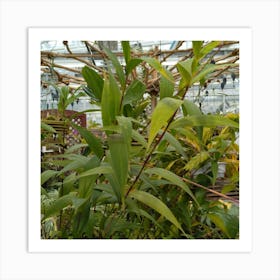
126, 51
134, 92
208, 48
197, 45
174, 142
164, 110
117, 65
94, 81
96, 171
207, 69
172, 178
166, 86
78, 162
81, 217
157, 66
111, 98
139, 138
195, 161
94, 143
46, 175
75, 148
185, 69
204, 120
228, 224
133, 208
68, 185
157, 205
126, 130
132, 64
214, 169
87, 183
47, 127
138, 110
191, 109
119, 160
54, 208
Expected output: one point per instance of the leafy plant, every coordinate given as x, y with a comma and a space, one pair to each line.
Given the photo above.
149, 177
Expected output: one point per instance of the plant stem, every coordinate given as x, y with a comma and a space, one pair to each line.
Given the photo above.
154, 147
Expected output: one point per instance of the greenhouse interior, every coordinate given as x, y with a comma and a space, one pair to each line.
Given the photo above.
139, 139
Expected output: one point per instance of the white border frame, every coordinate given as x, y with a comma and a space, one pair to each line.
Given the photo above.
243, 35
262, 16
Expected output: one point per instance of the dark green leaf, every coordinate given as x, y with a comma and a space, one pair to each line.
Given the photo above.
119, 160
94, 143
126, 51
173, 178
117, 65
155, 204
55, 207
132, 64
134, 92
228, 224
46, 175
94, 81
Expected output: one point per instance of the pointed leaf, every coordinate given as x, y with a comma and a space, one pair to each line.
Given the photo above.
117, 65
132, 64
228, 224
172, 178
157, 66
47, 127
111, 98
156, 204
46, 175
164, 110
119, 159
126, 51
191, 109
208, 48
197, 45
94, 81
185, 69
207, 69
174, 142
126, 130
58, 205
166, 86
204, 120
94, 143
139, 138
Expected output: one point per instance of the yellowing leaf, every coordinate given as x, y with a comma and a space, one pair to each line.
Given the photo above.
197, 160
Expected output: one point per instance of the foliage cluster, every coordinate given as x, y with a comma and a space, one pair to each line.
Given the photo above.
150, 175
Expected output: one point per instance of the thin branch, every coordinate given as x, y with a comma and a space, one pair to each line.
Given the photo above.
236, 201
